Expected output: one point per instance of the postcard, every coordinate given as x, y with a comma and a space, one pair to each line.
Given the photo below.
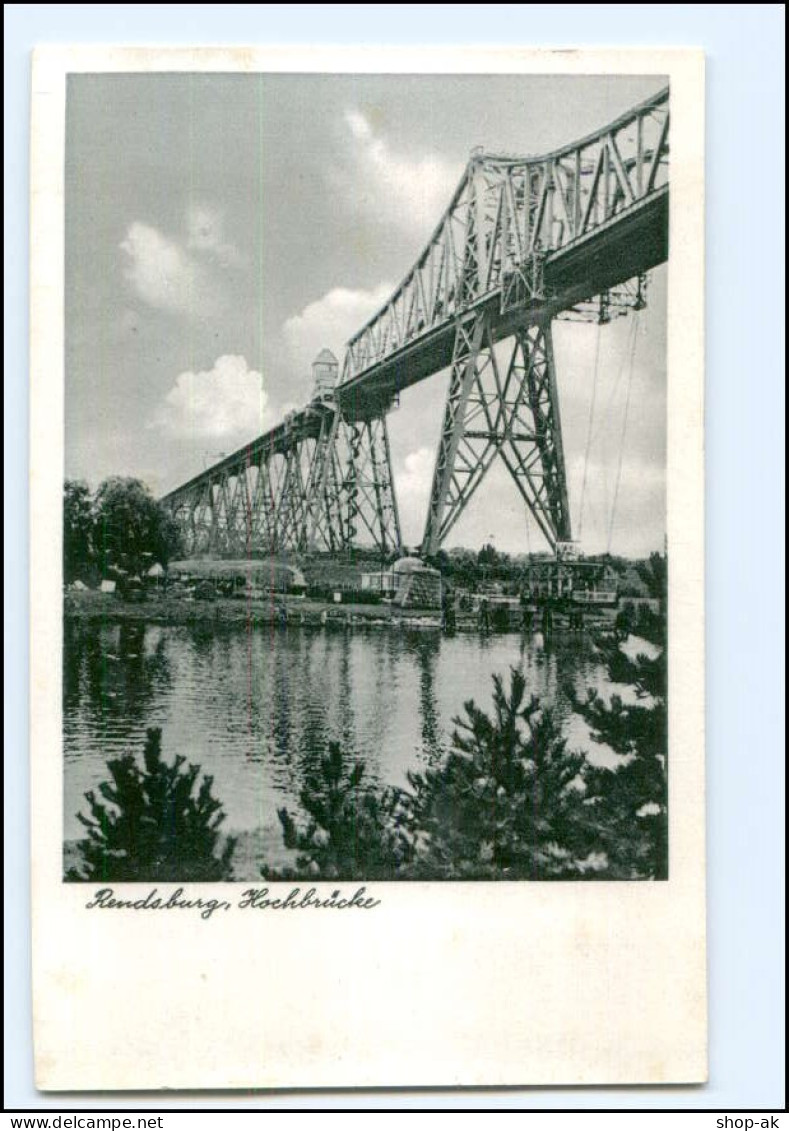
367, 609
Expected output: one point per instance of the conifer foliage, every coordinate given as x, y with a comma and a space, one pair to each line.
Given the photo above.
508, 801
153, 823
350, 829
631, 798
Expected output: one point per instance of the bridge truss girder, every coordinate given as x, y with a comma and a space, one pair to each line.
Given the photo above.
507, 410
510, 215
327, 490
522, 241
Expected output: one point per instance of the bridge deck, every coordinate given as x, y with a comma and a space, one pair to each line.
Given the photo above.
587, 218
629, 244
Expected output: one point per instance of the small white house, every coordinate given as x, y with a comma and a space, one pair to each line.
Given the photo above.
383, 581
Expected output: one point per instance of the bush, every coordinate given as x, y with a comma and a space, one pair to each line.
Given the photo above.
640, 620
132, 529
351, 830
78, 550
500, 619
508, 803
631, 800
155, 828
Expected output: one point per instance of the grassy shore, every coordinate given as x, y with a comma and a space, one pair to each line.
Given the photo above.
91, 605
282, 610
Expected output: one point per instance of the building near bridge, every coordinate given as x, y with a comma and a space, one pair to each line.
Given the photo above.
579, 581
243, 577
409, 583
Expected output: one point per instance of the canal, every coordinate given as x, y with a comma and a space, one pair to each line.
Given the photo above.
256, 707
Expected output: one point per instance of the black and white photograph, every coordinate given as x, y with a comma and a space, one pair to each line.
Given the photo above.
367, 567
392, 717
365, 544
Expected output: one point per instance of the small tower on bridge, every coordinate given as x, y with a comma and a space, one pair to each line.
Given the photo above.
325, 370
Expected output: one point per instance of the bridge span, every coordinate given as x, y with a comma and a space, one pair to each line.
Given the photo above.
524, 241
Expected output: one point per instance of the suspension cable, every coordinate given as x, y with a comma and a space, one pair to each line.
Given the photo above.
614, 393
589, 430
631, 369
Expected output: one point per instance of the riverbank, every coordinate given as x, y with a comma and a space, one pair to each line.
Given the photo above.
91, 605
283, 610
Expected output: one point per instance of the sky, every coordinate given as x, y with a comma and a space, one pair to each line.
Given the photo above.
221, 229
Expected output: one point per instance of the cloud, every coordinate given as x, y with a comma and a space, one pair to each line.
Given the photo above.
329, 322
358, 125
181, 275
409, 192
205, 235
163, 274
225, 402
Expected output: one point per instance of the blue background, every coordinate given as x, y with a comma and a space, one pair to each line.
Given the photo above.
745, 524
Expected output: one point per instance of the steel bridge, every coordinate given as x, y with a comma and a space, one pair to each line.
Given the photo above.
524, 240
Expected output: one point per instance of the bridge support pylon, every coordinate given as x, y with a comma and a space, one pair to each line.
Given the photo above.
327, 486
369, 504
510, 409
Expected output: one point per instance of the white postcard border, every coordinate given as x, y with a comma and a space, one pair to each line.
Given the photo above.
442, 984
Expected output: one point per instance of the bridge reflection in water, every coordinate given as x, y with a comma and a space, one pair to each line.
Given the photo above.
256, 709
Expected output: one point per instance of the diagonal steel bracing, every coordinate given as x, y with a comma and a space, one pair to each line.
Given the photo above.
511, 213
369, 505
511, 411
328, 488
523, 240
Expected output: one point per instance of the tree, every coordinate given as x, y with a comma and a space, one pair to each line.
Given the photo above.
488, 557
465, 570
640, 621
631, 800
350, 831
510, 801
78, 556
154, 827
131, 526
507, 803
654, 574
440, 561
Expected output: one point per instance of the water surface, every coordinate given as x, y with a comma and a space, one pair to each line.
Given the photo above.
256, 707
